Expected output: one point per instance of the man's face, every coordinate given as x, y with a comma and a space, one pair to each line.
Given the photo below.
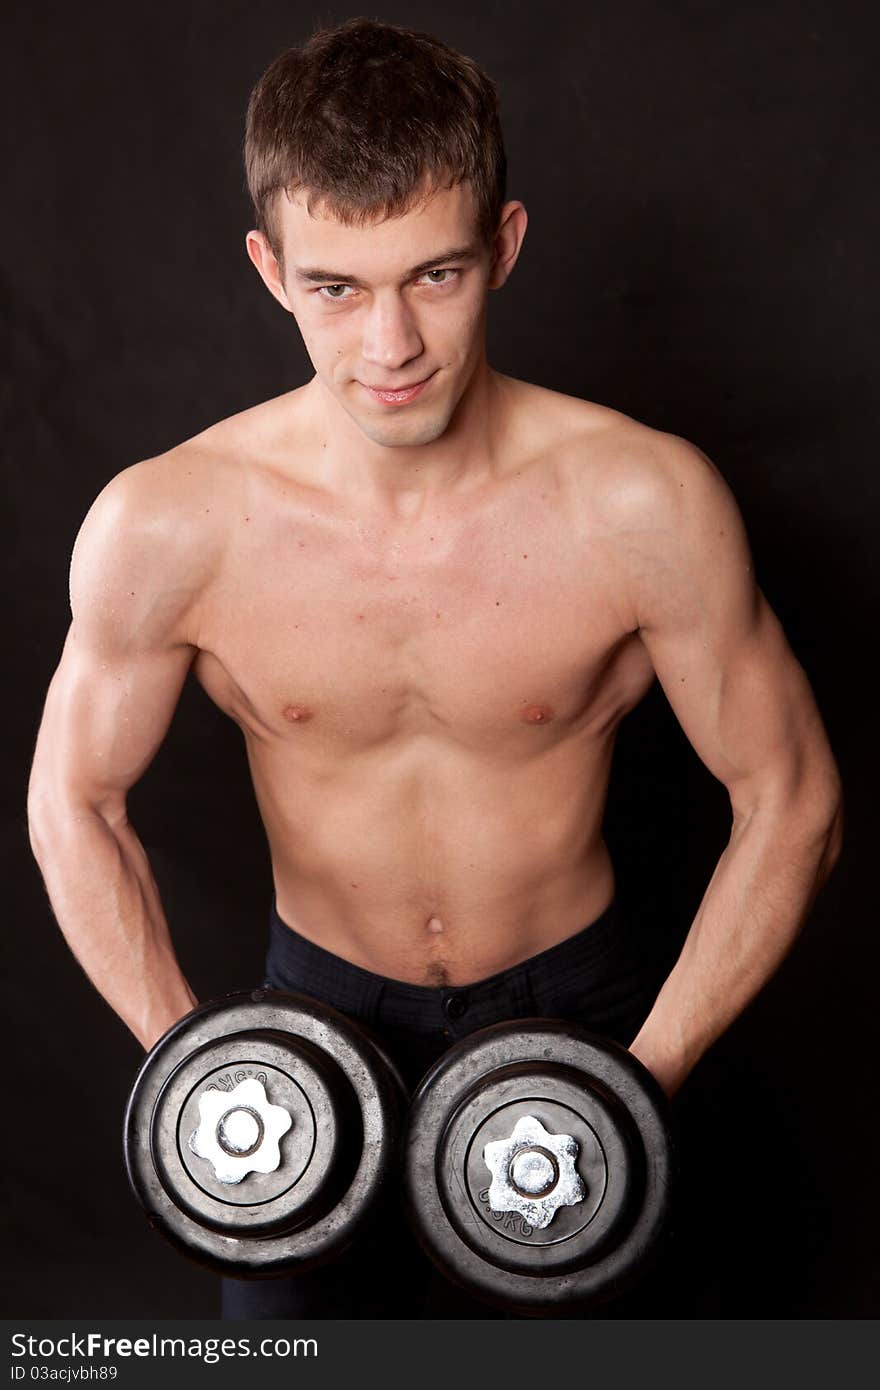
391, 305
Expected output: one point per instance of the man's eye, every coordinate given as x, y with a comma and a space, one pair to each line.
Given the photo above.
330, 291
448, 273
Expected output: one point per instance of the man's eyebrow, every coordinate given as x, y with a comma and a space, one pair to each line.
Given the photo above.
314, 275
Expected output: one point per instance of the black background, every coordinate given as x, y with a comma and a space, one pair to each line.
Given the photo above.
702, 187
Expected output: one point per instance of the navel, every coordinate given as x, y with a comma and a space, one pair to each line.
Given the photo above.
297, 714
536, 714
434, 925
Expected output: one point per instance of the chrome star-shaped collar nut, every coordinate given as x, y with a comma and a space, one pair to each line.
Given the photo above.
533, 1172
239, 1130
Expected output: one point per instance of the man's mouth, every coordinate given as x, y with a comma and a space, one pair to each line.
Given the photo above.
398, 395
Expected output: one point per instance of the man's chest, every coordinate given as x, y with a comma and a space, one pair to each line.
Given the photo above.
507, 629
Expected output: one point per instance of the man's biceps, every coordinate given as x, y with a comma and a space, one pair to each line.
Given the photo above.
131, 710
102, 726
750, 715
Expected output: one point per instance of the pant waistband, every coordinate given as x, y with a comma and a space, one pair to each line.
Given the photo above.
295, 963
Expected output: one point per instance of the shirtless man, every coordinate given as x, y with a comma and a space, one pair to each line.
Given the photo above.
428, 594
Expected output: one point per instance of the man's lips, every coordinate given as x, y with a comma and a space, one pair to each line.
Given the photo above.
397, 395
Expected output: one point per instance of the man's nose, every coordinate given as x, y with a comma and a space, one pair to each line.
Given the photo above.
391, 338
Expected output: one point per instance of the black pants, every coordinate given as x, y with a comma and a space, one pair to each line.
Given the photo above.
601, 977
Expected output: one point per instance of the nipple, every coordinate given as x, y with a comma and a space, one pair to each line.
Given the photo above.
434, 925
297, 714
536, 714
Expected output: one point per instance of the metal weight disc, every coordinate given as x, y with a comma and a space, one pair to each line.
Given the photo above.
259, 1131
537, 1165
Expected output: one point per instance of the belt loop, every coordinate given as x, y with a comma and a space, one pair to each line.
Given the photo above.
372, 1000
522, 1000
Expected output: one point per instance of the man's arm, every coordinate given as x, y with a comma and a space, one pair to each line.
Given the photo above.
746, 706
136, 575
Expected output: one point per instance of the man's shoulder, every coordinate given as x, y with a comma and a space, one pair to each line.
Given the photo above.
555, 418
140, 561
627, 469
664, 518
251, 436
161, 505
193, 486
156, 530
650, 479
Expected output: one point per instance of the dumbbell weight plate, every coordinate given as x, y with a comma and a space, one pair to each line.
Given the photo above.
260, 1130
591, 1100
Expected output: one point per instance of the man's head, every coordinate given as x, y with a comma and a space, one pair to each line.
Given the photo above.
372, 153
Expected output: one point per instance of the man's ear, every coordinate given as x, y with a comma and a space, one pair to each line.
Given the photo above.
265, 260
508, 240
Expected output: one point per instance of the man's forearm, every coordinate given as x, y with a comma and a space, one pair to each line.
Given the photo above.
753, 908
106, 902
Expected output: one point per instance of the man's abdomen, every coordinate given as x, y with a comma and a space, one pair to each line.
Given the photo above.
431, 866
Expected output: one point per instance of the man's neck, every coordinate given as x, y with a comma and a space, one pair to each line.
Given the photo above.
400, 480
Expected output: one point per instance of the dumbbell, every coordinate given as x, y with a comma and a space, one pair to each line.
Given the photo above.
538, 1165
260, 1131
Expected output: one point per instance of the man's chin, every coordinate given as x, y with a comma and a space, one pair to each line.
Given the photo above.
402, 433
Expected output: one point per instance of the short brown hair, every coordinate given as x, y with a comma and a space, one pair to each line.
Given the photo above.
367, 117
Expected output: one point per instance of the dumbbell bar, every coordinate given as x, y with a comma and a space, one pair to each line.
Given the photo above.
260, 1130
